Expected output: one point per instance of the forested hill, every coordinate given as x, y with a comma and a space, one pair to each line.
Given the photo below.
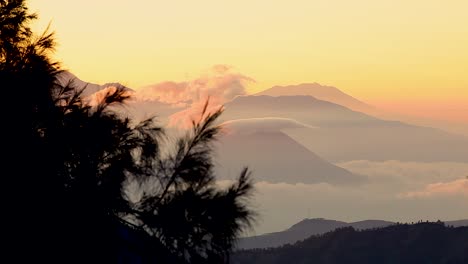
402, 243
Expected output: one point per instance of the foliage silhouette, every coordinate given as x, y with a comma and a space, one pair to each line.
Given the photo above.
106, 188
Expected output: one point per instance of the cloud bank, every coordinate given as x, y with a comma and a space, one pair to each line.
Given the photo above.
457, 187
409, 173
396, 191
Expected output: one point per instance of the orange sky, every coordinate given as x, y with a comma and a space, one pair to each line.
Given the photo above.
451, 111
384, 52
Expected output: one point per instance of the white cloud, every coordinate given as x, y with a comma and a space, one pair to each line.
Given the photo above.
266, 124
220, 84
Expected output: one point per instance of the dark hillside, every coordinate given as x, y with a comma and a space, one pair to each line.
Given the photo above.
402, 243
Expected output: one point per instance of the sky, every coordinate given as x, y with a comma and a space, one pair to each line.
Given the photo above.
405, 57
383, 52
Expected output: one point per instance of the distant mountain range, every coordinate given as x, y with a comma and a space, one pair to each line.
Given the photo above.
401, 243
316, 226
332, 131
321, 92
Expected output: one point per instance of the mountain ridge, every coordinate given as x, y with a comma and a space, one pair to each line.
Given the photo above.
317, 226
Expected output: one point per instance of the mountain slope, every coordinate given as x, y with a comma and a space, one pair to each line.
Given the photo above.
322, 92
275, 157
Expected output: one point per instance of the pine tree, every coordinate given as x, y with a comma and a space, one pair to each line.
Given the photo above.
103, 190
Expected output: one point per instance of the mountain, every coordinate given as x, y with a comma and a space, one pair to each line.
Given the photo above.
322, 92
303, 230
274, 156
341, 134
316, 226
401, 243
305, 109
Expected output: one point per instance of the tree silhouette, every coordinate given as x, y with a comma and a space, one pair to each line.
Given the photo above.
106, 188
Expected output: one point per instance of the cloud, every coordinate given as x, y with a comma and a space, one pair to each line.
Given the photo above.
457, 187
220, 84
166, 92
266, 124
408, 173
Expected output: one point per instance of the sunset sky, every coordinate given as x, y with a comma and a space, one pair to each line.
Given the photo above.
379, 51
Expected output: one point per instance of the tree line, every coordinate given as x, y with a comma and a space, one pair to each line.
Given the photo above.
420, 243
